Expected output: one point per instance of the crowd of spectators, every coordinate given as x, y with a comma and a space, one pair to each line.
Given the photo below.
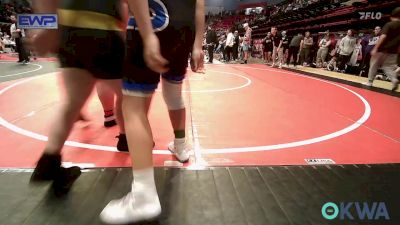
345, 51
294, 5
6, 43
13, 7
7, 9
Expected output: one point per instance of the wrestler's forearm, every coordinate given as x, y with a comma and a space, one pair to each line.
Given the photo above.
200, 23
140, 10
125, 13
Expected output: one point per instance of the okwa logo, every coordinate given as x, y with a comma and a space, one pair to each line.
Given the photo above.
370, 15
355, 210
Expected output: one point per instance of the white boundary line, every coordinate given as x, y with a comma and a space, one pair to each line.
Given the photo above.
17, 74
225, 89
346, 130
44, 138
358, 123
248, 82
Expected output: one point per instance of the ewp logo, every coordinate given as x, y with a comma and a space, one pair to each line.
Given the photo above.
370, 15
37, 21
377, 211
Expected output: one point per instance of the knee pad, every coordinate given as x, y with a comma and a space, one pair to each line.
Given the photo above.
172, 93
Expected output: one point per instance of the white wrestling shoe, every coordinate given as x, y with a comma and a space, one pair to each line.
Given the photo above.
139, 205
368, 83
180, 149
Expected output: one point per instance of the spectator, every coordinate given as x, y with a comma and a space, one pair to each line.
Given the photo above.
241, 54
221, 47
246, 42
235, 50
267, 48
230, 41
323, 51
372, 40
294, 48
277, 47
346, 47
212, 41
18, 35
9, 43
385, 53
285, 48
332, 65
357, 54
305, 49
2, 45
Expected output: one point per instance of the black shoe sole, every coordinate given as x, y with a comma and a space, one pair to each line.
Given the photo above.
152, 221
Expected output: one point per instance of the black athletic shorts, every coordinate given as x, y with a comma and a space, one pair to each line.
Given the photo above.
101, 52
175, 47
173, 21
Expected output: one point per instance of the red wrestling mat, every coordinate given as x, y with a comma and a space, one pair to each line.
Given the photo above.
238, 115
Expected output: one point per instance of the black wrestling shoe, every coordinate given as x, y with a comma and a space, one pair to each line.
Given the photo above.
122, 144
64, 180
47, 168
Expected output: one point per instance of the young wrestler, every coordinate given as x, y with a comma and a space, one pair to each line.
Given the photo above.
176, 28
89, 49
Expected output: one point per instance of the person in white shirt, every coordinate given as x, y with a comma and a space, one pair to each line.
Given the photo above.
18, 35
346, 46
357, 54
230, 40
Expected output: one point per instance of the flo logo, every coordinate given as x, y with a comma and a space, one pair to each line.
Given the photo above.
370, 15
355, 210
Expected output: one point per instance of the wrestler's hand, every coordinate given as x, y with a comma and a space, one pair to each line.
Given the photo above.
43, 42
196, 59
152, 54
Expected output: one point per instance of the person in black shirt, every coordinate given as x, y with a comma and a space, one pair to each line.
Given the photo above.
212, 41
19, 35
385, 53
277, 46
267, 47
